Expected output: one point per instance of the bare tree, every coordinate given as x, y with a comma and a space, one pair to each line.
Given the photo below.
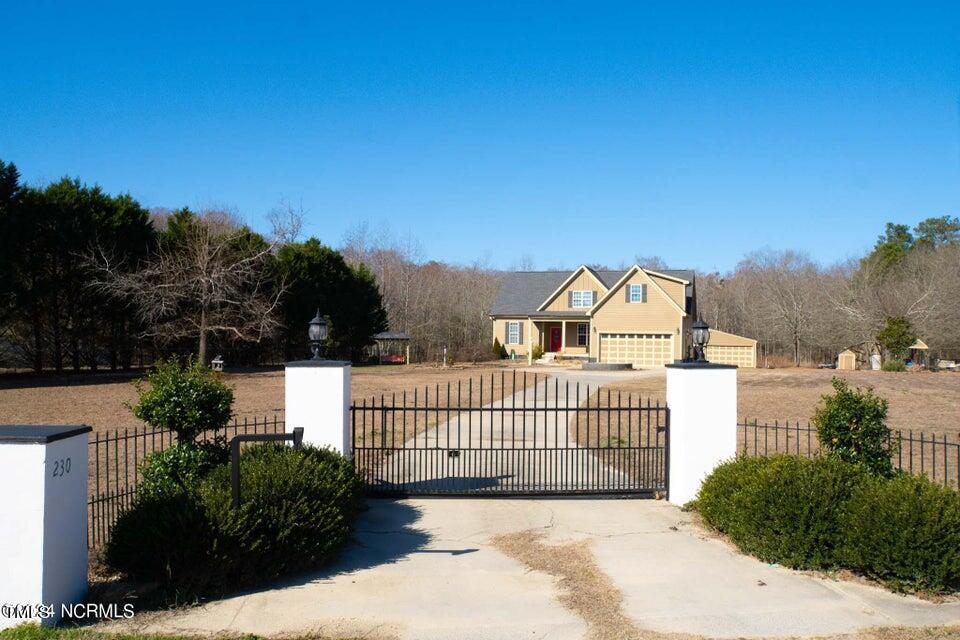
439, 305
209, 280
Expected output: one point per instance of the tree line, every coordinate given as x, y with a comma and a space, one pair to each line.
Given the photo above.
91, 280
907, 286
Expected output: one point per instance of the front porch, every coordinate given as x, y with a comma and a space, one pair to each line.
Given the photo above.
564, 336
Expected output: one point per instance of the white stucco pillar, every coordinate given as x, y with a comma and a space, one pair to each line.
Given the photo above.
317, 398
702, 399
43, 529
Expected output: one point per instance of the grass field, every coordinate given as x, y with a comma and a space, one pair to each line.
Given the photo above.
923, 401
100, 400
920, 401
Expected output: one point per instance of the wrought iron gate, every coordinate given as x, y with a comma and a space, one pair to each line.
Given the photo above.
510, 435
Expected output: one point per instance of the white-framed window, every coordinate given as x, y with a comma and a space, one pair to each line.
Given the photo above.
513, 332
581, 299
636, 293
583, 332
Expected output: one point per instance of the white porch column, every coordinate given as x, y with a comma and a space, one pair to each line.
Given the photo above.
563, 335
317, 398
43, 531
530, 341
702, 399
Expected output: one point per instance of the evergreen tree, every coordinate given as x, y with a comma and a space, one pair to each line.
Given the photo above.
317, 277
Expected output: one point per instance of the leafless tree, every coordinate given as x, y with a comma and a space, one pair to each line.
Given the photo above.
210, 280
439, 305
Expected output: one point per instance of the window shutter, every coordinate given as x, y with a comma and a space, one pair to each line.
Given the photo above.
570, 299
506, 332
627, 289
519, 333
593, 300
643, 292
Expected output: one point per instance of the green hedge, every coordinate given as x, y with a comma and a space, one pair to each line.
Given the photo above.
297, 510
178, 468
905, 532
824, 513
781, 509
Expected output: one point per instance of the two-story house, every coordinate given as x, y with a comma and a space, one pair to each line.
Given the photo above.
638, 316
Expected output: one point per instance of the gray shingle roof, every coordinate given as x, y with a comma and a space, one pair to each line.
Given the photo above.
521, 292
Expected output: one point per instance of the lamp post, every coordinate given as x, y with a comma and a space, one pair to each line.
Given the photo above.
318, 335
701, 336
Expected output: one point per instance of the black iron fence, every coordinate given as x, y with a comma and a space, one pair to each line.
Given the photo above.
935, 455
114, 467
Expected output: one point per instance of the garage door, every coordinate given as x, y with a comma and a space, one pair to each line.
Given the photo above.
639, 349
744, 357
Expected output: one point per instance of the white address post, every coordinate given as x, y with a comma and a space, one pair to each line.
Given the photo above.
43, 531
317, 398
702, 398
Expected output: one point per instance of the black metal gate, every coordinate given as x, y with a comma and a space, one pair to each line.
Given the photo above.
511, 435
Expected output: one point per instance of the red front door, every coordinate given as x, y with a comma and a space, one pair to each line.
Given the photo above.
555, 339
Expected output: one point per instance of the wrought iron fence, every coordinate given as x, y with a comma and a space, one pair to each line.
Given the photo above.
114, 467
915, 452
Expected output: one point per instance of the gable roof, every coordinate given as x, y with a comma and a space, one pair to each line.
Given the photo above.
522, 292
566, 283
626, 276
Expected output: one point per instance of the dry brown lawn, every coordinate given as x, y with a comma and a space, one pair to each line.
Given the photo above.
921, 401
101, 400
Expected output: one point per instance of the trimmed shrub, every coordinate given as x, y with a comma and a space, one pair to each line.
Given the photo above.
851, 425
297, 509
904, 532
499, 351
893, 365
782, 509
187, 400
537, 351
179, 468
164, 538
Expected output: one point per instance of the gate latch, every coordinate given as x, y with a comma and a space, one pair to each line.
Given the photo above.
453, 453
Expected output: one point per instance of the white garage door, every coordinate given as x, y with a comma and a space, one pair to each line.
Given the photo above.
743, 357
639, 349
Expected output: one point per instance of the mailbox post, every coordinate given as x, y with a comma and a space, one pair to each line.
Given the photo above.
43, 531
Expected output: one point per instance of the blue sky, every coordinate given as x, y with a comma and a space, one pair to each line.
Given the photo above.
566, 132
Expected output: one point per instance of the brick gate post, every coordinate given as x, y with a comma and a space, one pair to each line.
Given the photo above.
317, 398
702, 399
43, 530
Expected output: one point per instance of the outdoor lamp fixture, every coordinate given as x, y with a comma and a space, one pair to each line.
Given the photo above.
701, 336
318, 335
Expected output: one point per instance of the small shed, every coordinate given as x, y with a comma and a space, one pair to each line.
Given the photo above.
847, 360
391, 347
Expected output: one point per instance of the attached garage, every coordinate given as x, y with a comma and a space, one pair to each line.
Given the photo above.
728, 348
638, 349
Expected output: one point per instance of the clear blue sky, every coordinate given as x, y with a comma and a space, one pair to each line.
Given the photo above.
569, 132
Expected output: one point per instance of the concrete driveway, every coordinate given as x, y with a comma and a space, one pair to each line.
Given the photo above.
523, 442
429, 569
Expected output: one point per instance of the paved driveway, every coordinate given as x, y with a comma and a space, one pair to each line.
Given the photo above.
427, 569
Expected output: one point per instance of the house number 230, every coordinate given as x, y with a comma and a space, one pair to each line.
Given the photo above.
61, 467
